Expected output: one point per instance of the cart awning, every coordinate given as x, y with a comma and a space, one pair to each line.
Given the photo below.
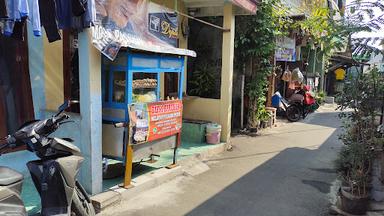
203, 8
141, 25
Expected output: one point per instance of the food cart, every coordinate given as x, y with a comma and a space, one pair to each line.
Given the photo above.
134, 78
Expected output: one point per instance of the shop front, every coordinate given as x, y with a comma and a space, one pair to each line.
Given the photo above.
138, 58
138, 119
136, 65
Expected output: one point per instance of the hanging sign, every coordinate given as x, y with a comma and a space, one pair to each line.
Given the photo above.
153, 121
164, 26
139, 24
340, 74
286, 49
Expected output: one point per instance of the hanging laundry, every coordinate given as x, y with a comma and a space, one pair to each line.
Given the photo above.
90, 15
18, 29
69, 13
87, 19
10, 9
50, 14
16, 10
79, 7
9, 22
8, 27
23, 8
48, 19
64, 13
34, 17
3, 9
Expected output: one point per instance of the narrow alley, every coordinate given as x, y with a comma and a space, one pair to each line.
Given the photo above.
287, 171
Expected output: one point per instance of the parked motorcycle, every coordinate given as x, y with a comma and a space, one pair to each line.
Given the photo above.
300, 106
54, 175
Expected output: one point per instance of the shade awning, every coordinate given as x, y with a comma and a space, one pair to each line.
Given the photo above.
215, 7
158, 49
249, 5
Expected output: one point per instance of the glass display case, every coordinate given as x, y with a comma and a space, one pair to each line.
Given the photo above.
135, 77
132, 78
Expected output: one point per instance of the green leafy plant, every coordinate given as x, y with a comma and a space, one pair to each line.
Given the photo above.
255, 45
320, 97
363, 94
331, 30
203, 80
263, 115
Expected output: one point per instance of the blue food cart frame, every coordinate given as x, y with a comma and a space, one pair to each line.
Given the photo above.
137, 63
131, 62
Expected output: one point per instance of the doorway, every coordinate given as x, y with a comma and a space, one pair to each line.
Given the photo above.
16, 105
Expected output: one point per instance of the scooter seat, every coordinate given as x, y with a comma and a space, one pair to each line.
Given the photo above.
9, 176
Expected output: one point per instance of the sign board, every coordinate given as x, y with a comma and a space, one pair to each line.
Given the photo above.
164, 26
153, 121
139, 24
286, 49
340, 74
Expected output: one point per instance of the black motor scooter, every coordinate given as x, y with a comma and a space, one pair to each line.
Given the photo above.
54, 175
297, 109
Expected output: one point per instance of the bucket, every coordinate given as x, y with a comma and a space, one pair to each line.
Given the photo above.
213, 133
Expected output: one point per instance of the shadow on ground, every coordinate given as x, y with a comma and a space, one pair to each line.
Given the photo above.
294, 182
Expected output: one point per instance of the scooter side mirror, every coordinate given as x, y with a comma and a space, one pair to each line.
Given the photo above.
65, 105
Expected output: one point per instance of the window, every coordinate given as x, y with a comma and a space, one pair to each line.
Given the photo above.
106, 86
119, 83
144, 87
171, 85
16, 105
204, 71
71, 68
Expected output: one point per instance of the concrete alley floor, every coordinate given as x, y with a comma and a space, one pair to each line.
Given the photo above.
286, 171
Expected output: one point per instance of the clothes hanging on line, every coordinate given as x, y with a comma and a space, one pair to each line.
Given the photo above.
17, 13
53, 15
48, 19
34, 17
3, 9
18, 29
79, 7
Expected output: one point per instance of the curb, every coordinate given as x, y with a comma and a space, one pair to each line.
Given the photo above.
153, 179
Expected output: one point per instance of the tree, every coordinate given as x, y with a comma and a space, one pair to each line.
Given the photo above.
255, 44
331, 29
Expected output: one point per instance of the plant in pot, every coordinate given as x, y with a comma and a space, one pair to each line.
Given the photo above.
263, 116
353, 166
320, 97
361, 98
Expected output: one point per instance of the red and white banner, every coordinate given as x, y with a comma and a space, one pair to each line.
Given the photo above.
153, 121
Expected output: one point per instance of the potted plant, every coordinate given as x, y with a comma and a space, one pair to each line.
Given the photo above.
320, 97
263, 116
362, 93
353, 166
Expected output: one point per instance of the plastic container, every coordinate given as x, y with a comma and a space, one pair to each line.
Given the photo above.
276, 99
213, 133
